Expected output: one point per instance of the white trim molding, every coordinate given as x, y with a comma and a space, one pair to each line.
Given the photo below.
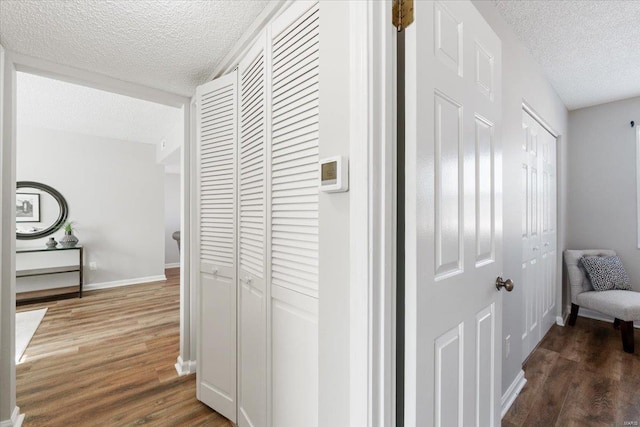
372, 214
189, 252
538, 118
638, 180
16, 419
8, 408
185, 367
65, 73
125, 282
560, 321
172, 265
512, 392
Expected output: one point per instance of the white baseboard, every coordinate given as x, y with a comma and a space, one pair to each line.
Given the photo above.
126, 282
560, 321
590, 314
512, 392
185, 367
16, 419
172, 265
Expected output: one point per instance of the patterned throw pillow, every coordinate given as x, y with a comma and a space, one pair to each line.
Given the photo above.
606, 273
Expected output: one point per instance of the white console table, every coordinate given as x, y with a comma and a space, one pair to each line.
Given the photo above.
51, 294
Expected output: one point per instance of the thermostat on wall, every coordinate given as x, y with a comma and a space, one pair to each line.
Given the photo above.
334, 174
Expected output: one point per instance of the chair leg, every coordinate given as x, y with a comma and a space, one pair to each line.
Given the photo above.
616, 323
574, 314
626, 330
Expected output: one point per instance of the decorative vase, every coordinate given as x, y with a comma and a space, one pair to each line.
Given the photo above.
69, 240
51, 243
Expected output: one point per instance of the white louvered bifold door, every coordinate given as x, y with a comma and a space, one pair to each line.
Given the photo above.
217, 141
252, 316
294, 216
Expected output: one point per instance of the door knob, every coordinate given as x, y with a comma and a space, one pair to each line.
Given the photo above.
507, 284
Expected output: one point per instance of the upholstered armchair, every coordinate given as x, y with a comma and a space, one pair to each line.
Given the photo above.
622, 305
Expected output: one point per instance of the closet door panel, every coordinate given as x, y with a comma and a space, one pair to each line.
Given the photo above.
217, 382
294, 359
252, 334
217, 139
294, 216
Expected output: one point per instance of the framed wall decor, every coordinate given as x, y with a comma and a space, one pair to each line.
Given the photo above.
27, 207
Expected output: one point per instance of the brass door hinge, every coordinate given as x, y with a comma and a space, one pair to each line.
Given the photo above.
402, 12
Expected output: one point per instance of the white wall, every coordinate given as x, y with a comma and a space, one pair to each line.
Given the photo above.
172, 143
523, 80
171, 217
602, 181
333, 324
115, 193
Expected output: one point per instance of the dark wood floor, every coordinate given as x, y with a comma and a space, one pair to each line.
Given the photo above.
108, 360
579, 376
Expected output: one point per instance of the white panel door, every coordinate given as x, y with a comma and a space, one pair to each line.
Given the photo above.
217, 140
252, 294
531, 236
548, 249
453, 217
538, 232
294, 215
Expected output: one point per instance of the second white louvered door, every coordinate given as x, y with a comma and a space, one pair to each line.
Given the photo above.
252, 290
294, 215
216, 345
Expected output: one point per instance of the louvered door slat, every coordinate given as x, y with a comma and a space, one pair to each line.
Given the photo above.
283, 41
216, 100
295, 122
252, 157
217, 171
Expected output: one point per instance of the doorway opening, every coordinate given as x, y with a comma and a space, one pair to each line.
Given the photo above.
18, 68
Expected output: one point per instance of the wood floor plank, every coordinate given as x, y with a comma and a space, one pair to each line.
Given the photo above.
591, 400
579, 376
628, 409
107, 360
552, 394
537, 371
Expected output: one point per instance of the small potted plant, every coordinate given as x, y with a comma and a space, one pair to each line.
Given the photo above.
69, 240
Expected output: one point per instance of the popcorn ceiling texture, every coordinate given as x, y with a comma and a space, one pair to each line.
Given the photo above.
589, 50
54, 104
172, 45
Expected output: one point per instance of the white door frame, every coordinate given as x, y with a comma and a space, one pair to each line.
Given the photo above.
538, 118
638, 184
373, 214
528, 108
14, 62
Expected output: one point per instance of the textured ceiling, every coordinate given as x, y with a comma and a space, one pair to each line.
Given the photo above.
589, 50
172, 45
53, 104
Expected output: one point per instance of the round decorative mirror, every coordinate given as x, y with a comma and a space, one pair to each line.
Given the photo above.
40, 210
